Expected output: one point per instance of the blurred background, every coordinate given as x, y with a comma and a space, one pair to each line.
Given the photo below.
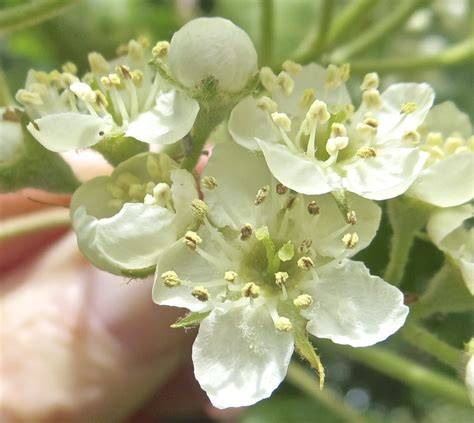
431, 41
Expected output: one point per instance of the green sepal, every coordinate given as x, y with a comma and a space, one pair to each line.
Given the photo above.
138, 273
192, 319
118, 148
33, 166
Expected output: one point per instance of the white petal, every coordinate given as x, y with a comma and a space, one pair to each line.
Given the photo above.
469, 379
126, 240
448, 119
239, 173
295, 170
326, 231
385, 176
69, 131
311, 76
239, 358
247, 122
392, 123
444, 221
447, 183
168, 121
352, 307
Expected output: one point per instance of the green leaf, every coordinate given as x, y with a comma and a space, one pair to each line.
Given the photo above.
33, 166
190, 320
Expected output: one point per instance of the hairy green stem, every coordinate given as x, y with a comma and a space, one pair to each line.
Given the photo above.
406, 371
315, 42
460, 53
33, 222
267, 32
425, 341
32, 13
304, 380
383, 28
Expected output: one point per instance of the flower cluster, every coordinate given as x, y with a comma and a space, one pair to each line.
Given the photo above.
259, 247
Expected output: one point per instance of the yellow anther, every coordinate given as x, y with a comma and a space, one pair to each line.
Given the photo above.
333, 145
338, 130
462, 149
199, 209
313, 208
303, 301
144, 41
281, 278
268, 78
267, 104
351, 217
230, 276
291, 67
135, 51
192, 239
200, 293
105, 81
372, 98
42, 77
305, 246
350, 240
121, 50
161, 194
115, 80
434, 138
413, 137
209, 182
69, 67
97, 63
452, 144
305, 263
28, 98
281, 189
366, 152
282, 120
371, 81
161, 49
436, 153
170, 279
246, 232
262, 194
333, 78
285, 81
291, 202
308, 97
83, 92
251, 290
283, 324
318, 112
100, 98
408, 108
123, 71
345, 71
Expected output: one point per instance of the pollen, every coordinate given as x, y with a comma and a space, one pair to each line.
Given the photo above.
281, 278
209, 182
246, 232
313, 208
351, 217
262, 194
200, 293
199, 209
192, 239
350, 240
170, 279
303, 301
281, 189
366, 152
251, 290
230, 276
161, 49
305, 263
283, 324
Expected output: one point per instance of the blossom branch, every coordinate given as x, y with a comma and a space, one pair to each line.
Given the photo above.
379, 31
304, 380
34, 222
30, 14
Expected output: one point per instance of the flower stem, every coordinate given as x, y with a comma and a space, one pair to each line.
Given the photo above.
32, 13
430, 344
6, 98
407, 217
383, 28
304, 380
33, 222
460, 53
315, 42
406, 371
267, 30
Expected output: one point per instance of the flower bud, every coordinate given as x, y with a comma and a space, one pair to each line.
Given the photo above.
212, 47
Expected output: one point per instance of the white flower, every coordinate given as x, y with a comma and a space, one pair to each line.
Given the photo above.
212, 47
446, 180
452, 231
124, 221
123, 97
11, 135
262, 264
314, 143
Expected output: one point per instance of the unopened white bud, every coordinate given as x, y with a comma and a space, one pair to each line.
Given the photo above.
212, 48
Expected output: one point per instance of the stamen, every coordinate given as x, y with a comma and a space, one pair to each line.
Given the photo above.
267, 104
97, 63
200, 293
162, 194
281, 278
283, 324
350, 240
281, 189
434, 138
69, 67
268, 78
313, 208
366, 152
303, 301
192, 240
291, 67
251, 290
351, 217
282, 120
230, 276
285, 81
372, 98
161, 49
209, 182
246, 232
308, 97
28, 98
171, 279
199, 209
412, 137
371, 82
262, 194
452, 144
305, 263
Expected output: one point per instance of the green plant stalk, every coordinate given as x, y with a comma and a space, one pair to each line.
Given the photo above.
33, 222
32, 13
425, 341
267, 32
6, 98
406, 371
315, 41
460, 53
346, 18
304, 380
387, 25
